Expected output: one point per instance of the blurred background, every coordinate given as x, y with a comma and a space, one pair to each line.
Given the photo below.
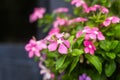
15, 32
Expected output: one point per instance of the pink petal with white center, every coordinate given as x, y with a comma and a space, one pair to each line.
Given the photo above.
67, 43
52, 46
62, 49
100, 36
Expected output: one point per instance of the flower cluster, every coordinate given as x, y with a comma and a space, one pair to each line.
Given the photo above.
81, 46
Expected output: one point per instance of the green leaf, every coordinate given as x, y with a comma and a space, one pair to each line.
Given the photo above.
74, 63
117, 49
110, 68
80, 40
65, 65
52, 54
77, 52
114, 44
71, 40
105, 45
95, 61
117, 31
111, 55
60, 62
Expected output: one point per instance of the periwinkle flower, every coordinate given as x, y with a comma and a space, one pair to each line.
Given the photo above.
59, 43
34, 47
37, 14
89, 47
59, 22
77, 3
91, 33
84, 77
109, 20
60, 10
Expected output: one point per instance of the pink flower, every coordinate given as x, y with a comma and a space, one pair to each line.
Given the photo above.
94, 8
104, 10
59, 22
95, 33
86, 8
34, 47
61, 10
77, 3
110, 20
37, 14
91, 33
107, 22
115, 19
78, 19
89, 47
59, 43
54, 31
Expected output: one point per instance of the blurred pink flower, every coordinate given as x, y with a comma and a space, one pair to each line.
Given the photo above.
59, 22
78, 19
60, 10
109, 20
77, 3
89, 47
34, 47
94, 8
54, 31
115, 19
104, 10
90, 33
37, 14
86, 8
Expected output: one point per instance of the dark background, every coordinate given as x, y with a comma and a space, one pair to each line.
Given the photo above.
15, 32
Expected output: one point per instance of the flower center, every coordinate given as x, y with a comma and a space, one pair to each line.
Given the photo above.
95, 32
90, 46
59, 41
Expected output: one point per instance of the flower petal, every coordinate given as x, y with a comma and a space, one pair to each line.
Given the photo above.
100, 36
52, 46
62, 49
67, 43
86, 50
88, 78
30, 54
